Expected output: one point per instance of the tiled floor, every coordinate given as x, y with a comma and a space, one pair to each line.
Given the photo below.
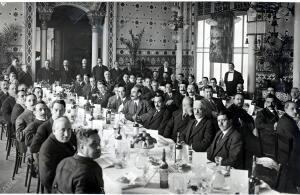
7, 185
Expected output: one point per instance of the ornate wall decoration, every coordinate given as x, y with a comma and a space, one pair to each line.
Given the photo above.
110, 11
30, 9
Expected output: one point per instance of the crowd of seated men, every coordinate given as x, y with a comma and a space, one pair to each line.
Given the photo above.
160, 101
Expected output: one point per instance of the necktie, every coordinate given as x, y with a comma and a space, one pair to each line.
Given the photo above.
183, 116
275, 114
220, 137
214, 107
135, 107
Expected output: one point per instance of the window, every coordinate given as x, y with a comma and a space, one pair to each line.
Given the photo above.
240, 52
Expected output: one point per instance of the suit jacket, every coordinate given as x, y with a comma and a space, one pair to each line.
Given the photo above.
264, 123
110, 85
146, 93
290, 176
116, 75
17, 110
98, 72
25, 78
156, 121
161, 71
49, 158
30, 131
177, 123
78, 88
229, 148
219, 91
3, 96
199, 136
87, 91
102, 99
10, 69
176, 101
21, 123
215, 104
78, 175
66, 76
83, 71
142, 108
42, 133
7, 107
231, 85
46, 75
114, 103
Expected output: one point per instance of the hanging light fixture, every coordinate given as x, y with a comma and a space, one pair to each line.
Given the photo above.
211, 22
237, 19
246, 42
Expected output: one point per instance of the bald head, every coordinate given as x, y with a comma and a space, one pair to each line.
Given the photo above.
61, 129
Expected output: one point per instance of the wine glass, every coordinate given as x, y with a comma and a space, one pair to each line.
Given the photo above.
218, 160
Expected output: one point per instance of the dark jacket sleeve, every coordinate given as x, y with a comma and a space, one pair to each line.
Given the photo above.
164, 122
29, 133
38, 139
261, 123
85, 184
203, 144
6, 111
126, 111
169, 128
235, 151
46, 169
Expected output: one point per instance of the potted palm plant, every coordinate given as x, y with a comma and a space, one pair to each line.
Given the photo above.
7, 35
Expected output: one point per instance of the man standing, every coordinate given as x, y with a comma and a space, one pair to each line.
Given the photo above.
46, 73
227, 143
13, 67
84, 69
116, 73
136, 106
232, 78
80, 174
66, 74
164, 69
54, 149
24, 76
98, 70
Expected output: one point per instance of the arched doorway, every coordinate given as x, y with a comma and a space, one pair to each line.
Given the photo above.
69, 36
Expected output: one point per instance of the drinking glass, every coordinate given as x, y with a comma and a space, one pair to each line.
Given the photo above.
178, 183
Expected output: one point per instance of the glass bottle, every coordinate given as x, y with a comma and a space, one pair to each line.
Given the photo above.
163, 172
253, 180
108, 116
178, 149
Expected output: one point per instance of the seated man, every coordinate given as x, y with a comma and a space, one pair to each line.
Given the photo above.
102, 95
40, 113
136, 106
219, 91
266, 122
157, 118
114, 102
8, 105
240, 89
146, 90
227, 143
80, 174
172, 99
215, 104
278, 103
295, 97
18, 108
78, 85
192, 81
26, 117
54, 149
179, 119
191, 91
199, 132
90, 90
182, 90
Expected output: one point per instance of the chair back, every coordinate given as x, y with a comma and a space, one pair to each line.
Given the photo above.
283, 149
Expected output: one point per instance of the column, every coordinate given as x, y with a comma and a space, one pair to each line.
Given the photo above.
251, 65
296, 63
43, 42
57, 48
105, 42
95, 19
179, 44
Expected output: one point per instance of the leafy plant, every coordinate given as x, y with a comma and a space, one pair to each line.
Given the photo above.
7, 35
134, 44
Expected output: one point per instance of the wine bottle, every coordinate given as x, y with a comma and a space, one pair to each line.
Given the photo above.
163, 172
178, 149
108, 116
253, 180
190, 155
135, 128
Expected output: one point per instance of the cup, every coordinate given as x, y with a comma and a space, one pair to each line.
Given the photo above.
177, 183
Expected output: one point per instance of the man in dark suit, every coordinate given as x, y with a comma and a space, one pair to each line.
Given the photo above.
182, 90
232, 78
53, 150
136, 106
287, 128
4, 91
102, 95
172, 99
215, 104
129, 70
80, 174
116, 73
18, 108
114, 102
13, 67
8, 105
240, 89
66, 74
90, 90
227, 143
278, 103
219, 91
204, 83
295, 97
98, 70
46, 73
78, 86
26, 117
147, 89
266, 122
199, 132
165, 79
156, 118
109, 83
174, 82
84, 69
191, 81
58, 109
24, 77
179, 120
40, 115
165, 68
191, 91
